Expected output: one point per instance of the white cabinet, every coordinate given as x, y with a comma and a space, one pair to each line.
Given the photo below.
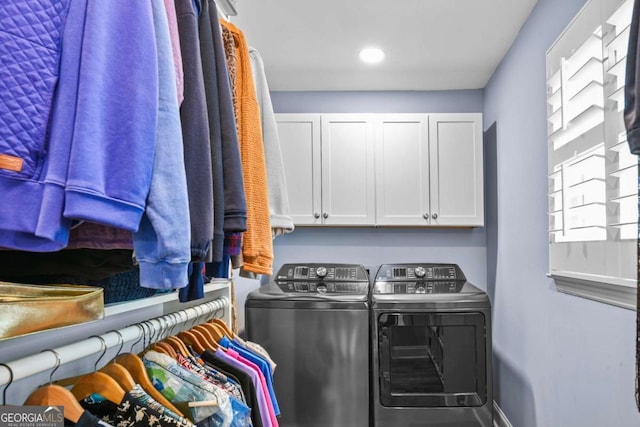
300, 145
456, 169
429, 170
402, 169
329, 179
348, 187
384, 169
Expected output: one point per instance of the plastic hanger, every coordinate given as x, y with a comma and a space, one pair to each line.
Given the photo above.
55, 395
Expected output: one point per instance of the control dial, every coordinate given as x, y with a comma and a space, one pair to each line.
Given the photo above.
321, 271
420, 271
321, 288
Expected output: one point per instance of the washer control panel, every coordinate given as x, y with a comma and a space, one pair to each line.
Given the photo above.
323, 278
419, 279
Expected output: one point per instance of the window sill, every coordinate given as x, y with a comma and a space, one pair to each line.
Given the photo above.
622, 293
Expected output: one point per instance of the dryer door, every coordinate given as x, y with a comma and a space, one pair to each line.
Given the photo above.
432, 359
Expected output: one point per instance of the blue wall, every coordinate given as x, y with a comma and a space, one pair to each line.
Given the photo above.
559, 360
455, 101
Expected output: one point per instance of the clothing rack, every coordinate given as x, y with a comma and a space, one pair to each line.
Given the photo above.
143, 333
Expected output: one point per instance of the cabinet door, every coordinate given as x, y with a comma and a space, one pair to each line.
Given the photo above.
456, 169
347, 170
402, 169
300, 145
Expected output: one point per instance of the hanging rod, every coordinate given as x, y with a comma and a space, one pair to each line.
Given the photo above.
150, 329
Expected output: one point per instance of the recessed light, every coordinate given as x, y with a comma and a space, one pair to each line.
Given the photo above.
371, 55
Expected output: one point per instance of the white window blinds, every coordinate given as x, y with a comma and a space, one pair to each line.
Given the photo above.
592, 175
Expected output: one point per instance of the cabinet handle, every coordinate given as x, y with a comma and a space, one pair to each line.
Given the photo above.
325, 215
434, 216
425, 216
316, 215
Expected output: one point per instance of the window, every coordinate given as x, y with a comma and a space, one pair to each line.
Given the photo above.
592, 176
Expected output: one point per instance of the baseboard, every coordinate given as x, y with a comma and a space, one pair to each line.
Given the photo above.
499, 418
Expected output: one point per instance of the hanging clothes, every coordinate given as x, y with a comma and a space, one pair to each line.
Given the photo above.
87, 419
137, 409
195, 133
257, 247
235, 204
162, 242
265, 407
281, 221
261, 365
99, 92
234, 201
174, 34
56, 123
208, 391
210, 74
255, 402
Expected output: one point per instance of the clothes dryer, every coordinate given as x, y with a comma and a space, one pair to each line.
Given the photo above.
431, 348
313, 319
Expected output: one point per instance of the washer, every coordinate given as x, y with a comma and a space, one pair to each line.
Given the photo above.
313, 319
431, 348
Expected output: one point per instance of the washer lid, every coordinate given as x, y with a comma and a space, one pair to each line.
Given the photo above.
326, 272
317, 282
421, 278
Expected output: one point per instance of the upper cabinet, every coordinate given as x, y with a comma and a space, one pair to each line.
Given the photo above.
300, 145
429, 170
384, 169
456, 169
402, 169
348, 188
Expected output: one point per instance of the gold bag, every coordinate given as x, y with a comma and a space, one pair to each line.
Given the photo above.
25, 309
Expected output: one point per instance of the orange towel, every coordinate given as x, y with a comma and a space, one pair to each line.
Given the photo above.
257, 245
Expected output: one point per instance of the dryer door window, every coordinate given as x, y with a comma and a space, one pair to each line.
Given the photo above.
432, 359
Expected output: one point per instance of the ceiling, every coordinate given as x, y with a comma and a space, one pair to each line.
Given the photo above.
429, 44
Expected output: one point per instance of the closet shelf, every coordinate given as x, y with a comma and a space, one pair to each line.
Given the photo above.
127, 306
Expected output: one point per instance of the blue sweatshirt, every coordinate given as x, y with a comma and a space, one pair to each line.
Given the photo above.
163, 242
81, 149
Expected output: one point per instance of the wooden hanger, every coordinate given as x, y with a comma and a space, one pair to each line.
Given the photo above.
164, 349
210, 341
136, 368
98, 383
52, 394
222, 324
191, 338
214, 333
120, 374
217, 332
178, 345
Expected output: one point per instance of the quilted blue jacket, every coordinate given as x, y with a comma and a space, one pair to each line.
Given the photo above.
78, 108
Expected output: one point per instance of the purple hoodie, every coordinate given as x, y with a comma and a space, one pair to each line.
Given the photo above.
78, 108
